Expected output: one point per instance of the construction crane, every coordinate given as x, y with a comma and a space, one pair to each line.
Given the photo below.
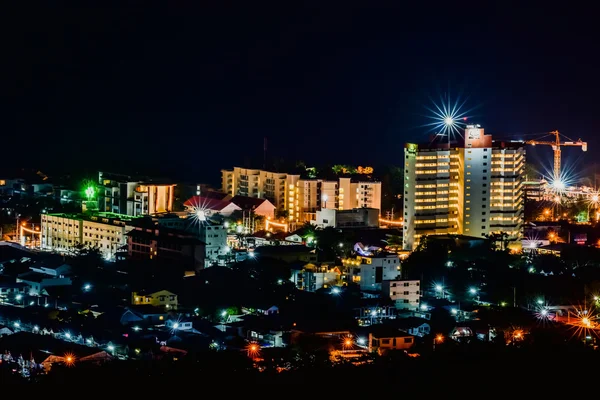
556, 147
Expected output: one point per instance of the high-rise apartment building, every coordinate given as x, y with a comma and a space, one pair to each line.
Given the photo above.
472, 187
273, 186
301, 198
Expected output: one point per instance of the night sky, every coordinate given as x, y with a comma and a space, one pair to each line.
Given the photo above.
187, 91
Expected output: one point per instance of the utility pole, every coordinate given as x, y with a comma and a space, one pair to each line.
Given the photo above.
514, 297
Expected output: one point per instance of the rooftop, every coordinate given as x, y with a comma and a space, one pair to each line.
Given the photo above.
42, 346
246, 203
291, 249
164, 234
206, 203
96, 217
11, 251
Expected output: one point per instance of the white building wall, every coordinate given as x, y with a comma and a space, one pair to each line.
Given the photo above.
460, 191
406, 294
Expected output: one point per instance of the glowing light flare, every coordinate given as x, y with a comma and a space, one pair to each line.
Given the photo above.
347, 342
439, 338
447, 116
584, 322
90, 192
253, 349
69, 359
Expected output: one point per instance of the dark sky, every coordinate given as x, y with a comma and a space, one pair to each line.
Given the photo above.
192, 90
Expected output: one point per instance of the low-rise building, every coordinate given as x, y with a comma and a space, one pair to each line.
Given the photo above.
353, 218
123, 194
406, 294
413, 326
37, 282
384, 338
214, 237
166, 244
370, 272
311, 277
161, 298
10, 289
67, 233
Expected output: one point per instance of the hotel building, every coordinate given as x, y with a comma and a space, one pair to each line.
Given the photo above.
121, 194
472, 187
66, 233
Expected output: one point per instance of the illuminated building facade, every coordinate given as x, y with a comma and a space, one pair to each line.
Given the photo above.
273, 186
120, 194
67, 232
471, 188
370, 272
312, 195
301, 198
162, 298
406, 294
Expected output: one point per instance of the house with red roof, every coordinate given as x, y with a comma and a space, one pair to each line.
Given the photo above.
211, 206
261, 207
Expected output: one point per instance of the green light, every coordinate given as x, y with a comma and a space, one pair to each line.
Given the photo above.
90, 192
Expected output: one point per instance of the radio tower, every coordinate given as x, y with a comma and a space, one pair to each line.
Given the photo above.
265, 153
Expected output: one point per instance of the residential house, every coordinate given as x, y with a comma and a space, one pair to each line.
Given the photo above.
161, 298
180, 324
9, 290
268, 331
257, 206
5, 331
261, 309
413, 326
383, 338
144, 315
11, 253
38, 281
46, 350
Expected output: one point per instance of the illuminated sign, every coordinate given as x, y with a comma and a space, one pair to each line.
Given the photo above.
473, 133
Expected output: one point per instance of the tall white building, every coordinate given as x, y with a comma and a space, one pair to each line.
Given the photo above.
66, 232
471, 188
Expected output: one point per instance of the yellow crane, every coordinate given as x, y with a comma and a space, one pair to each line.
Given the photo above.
556, 143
